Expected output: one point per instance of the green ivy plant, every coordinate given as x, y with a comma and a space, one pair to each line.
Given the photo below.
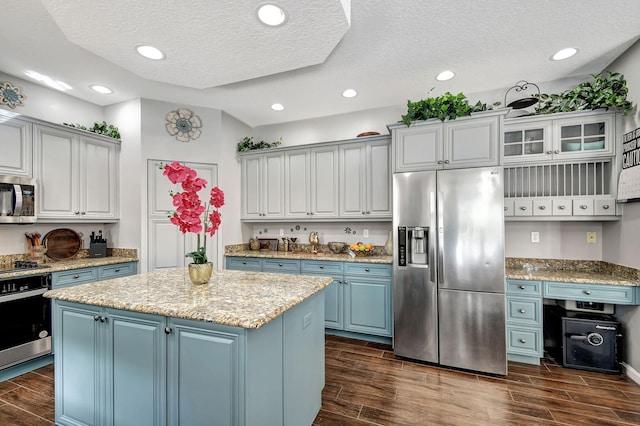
447, 106
608, 90
99, 127
247, 144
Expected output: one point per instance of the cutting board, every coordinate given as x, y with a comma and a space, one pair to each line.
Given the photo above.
62, 243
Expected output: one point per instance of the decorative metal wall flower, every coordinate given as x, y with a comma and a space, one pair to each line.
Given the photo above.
11, 95
183, 125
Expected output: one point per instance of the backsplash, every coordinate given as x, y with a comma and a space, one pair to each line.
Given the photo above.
7, 260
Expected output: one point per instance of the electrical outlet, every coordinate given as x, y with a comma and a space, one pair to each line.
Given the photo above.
592, 237
282, 232
535, 237
365, 233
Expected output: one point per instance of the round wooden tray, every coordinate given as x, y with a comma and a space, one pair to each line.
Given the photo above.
62, 243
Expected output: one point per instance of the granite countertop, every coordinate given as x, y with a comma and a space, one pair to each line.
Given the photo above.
66, 265
235, 298
342, 257
571, 271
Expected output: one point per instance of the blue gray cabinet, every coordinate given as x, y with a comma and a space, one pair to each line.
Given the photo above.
524, 321
73, 277
116, 370
358, 300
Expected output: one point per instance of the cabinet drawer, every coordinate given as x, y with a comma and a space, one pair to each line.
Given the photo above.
562, 207
317, 267
583, 207
281, 266
74, 277
524, 341
368, 269
606, 207
524, 311
623, 295
244, 263
115, 271
523, 287
508, 207
523, 207
541, 207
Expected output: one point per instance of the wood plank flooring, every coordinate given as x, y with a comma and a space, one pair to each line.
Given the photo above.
367, 385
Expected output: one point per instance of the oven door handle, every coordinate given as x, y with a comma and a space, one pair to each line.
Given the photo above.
23, 295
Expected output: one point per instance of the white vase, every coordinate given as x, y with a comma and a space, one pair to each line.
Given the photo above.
388, 246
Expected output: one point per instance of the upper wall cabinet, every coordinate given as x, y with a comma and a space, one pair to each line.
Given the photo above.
77, 174
565, 136
474, 141
365, 179
311, 183
16, 146
263, 186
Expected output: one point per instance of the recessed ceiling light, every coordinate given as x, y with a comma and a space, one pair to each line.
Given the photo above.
277, 107
564, 54
272, 15
349, 93
45, 79
150, 52
445, 75
101, 89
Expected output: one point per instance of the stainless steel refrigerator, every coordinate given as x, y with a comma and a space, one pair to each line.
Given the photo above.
448, 274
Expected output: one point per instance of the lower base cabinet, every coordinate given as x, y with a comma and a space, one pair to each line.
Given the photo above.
524, 321
120, 368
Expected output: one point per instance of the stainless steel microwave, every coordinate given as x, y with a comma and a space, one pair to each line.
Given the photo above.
17, 200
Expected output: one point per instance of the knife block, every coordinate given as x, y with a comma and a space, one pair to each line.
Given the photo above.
98, 250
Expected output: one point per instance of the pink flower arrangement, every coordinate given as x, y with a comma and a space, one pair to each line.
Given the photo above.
189, 207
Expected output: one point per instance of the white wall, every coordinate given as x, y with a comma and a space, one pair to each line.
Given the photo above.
622, 239
558, 240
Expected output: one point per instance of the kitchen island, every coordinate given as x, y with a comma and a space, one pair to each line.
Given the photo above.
153, 349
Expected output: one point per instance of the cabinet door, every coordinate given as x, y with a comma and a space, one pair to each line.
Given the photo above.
368, 305
418, 147
378, 192
324, 182
352, 180
16, 145
297, 184
473, 142
527, 141
196, 395
251, 187
584, 136
78, 372
57, 159
136, 372
99, 181
272, 196
334, 304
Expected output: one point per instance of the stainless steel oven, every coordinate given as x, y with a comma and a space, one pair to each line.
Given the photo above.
25, 319
17, 200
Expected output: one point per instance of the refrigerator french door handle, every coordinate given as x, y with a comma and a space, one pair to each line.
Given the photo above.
440, 224
432, 236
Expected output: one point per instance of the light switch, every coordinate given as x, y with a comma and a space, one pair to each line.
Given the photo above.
535, 237
365, 233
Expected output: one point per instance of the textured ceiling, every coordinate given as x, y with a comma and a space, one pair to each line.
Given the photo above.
390, 51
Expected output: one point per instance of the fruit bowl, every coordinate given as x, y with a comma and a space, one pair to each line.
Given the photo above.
361, 249
337, 246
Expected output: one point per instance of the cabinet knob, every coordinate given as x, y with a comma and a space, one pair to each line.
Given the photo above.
557, 151
583, 206
523, 341
549, 152
523, 207
542, 207
307, 213
167, 330
522, 311
83, 213
280, 265
346, 282
76, 212
587, 292
368, 212
76, 276
339, 281
561, 207
505, 208
96, 318
244, 263
606, 207
439, 161
117, 269
311, 213
321, 266
446, 161
363, 212
522, 287
103, 319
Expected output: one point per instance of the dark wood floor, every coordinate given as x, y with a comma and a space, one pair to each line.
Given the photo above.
367, 385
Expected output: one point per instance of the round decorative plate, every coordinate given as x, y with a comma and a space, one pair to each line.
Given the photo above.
62, 243
368, 134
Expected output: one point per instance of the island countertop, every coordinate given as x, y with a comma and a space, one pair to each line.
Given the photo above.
234, 298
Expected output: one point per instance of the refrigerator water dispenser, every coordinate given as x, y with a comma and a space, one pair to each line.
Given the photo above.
413, 245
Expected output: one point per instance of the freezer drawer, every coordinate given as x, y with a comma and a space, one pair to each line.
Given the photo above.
472, 331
